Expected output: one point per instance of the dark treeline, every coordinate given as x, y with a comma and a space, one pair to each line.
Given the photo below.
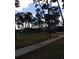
41, 22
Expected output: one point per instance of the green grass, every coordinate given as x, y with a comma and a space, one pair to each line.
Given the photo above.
51, 51
26, 39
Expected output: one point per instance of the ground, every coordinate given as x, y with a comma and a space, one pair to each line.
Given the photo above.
26, 39
51, 51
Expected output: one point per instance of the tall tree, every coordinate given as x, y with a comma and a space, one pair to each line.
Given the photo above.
60, 12
28, 18
53, 13
19, 20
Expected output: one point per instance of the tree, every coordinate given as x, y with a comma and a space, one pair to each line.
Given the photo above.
33, 21
60, 12
39, 17
40, 22
19, 20
28, 18
53, 14
46, 6
17, 3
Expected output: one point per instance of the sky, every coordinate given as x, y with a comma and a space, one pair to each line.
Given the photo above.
28, 6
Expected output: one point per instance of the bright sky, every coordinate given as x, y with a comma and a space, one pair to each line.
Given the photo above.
27, 6
25, 3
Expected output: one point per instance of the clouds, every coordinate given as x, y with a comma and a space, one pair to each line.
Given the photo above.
27, 6
25, 3
24, 6
18, 9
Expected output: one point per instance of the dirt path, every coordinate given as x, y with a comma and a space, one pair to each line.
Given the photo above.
28, 49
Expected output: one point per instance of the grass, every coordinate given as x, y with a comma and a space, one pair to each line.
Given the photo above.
51, 51
26, 39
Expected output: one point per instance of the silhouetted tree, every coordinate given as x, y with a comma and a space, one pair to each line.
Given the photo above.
53, 14
28, 18
19, 20
17, 3
63, 3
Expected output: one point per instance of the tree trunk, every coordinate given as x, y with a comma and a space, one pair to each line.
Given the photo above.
49, 28
24, 24
28, 24
60, 12
18, 26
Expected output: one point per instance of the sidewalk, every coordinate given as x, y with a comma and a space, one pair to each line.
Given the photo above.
31, 48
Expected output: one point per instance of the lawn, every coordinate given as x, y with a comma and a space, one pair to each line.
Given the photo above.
51, 51
26, 39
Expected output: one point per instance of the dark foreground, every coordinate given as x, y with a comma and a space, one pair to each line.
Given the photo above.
27, 39
52, 51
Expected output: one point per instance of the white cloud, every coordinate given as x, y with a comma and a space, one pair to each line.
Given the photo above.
17, 10
25, 3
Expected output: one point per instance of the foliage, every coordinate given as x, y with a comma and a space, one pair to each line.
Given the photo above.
51, 18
